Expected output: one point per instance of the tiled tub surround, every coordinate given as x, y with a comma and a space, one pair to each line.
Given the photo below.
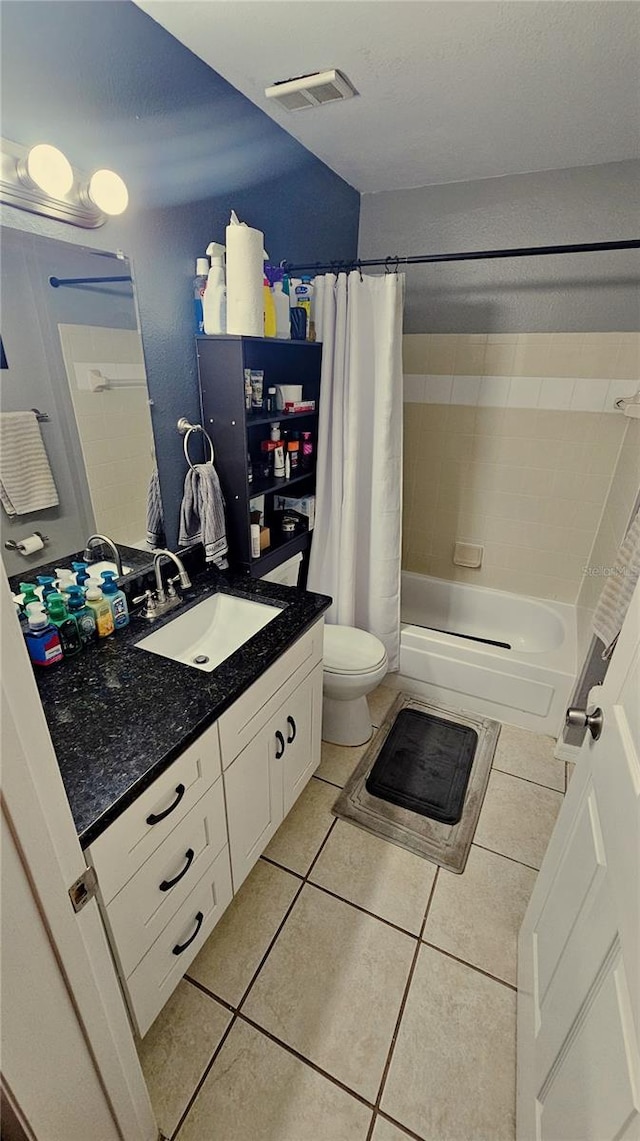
353, 991
511, 441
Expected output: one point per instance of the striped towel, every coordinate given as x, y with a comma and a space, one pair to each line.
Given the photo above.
616, 594
26, 482
202, 514
155, 513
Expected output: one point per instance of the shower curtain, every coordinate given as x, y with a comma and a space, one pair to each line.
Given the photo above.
356, 548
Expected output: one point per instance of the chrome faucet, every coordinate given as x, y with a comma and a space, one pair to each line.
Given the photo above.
185, 581
117, 558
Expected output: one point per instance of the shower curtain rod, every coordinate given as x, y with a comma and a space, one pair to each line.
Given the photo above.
56, 282
392, 262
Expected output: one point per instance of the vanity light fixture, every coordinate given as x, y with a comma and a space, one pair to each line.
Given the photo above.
41, 179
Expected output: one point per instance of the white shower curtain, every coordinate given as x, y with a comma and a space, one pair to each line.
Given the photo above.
356, 548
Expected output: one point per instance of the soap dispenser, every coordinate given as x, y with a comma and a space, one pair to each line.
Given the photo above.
42, 638
116, 598
67, 626
83, 614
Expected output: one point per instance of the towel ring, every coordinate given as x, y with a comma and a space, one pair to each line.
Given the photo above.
185, 428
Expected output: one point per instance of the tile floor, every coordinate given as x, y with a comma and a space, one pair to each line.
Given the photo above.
353, 991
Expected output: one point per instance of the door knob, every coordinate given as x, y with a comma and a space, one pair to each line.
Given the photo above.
583, 720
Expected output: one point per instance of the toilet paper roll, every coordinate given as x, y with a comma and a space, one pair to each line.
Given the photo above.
245, 275
30, 545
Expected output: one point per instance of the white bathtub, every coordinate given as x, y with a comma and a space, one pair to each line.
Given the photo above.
528, 684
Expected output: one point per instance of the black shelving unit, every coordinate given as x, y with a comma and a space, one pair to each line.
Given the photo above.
236, 432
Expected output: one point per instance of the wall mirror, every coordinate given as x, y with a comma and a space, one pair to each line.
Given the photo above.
73, 351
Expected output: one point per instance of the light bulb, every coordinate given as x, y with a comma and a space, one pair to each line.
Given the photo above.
108, 192
50, 170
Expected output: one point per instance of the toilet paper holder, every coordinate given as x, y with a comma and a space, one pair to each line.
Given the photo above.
12, 545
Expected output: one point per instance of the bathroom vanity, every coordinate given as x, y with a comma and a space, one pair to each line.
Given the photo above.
177, 778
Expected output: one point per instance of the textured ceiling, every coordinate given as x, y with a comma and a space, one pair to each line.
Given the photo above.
449, 91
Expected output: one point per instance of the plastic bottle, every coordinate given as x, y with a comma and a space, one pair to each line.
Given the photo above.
83, 614
67, 626
22, 617
28, 592
81, 573
281, 302
42, 637
303, 299
306, 460
268, 309
47, 582
96, 601
199, 286
278, 461
214, 302
116, 598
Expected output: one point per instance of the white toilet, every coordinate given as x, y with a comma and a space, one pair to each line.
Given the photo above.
355, 662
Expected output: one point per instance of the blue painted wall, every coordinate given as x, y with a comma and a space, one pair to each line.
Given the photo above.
111, 88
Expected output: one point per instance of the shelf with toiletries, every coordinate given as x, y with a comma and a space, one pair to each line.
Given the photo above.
261, 448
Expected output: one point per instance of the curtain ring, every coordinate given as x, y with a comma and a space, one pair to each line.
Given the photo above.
387, 267
359, 266
397, 264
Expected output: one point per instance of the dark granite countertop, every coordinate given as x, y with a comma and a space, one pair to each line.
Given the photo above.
118, 716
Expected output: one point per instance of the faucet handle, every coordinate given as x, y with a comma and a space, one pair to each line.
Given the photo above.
151, 604
171, 586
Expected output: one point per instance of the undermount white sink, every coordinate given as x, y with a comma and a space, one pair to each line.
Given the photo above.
210, 632
95, 569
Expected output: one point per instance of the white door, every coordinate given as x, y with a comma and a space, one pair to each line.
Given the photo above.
301, 720
253, 793
69, 1064
579, 947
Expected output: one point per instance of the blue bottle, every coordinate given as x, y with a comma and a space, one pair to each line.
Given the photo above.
42, 638
82, 573
47, 582
199, 286
116, 598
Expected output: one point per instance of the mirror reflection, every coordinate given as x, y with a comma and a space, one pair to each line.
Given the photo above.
73, 352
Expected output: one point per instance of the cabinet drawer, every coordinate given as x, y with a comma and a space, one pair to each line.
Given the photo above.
134, 836
140, 911
253, 710
158, 974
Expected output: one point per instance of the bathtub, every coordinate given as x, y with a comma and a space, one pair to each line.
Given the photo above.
499, 654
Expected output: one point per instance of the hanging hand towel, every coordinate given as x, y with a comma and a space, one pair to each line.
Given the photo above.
616, 594
202, 514
155, 514
26, 482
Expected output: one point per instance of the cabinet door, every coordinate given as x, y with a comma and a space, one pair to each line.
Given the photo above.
253, 792
300, 719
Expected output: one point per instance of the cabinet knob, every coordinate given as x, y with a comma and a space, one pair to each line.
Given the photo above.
280, 740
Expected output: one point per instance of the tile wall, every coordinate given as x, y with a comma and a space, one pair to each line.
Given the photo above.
114, 426
511, 441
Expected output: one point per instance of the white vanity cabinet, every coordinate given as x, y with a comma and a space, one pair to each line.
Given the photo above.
169, 865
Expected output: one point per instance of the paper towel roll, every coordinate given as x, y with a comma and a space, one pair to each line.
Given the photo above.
30, 545
245, 275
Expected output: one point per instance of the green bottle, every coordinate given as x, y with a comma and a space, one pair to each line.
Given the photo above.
28, 591
83, 614
67, 626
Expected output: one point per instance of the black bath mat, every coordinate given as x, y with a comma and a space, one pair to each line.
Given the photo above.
425, 765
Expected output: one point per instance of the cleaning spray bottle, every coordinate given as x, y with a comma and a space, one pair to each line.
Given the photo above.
268, 309
199, 287
214, 302
281, 301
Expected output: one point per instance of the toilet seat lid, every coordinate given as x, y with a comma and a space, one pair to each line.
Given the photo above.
349, 650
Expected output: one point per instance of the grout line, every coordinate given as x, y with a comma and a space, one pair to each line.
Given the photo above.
283, 867
471, 966
286, 916
307, 1061
484, 847
211, 993
403, 1004
325, 781
527, 780
400, 1126
205, 1075
364, 910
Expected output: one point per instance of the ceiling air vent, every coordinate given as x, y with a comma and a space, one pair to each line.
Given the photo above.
311, 90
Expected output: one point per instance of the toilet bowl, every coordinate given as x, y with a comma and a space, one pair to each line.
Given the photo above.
355, 662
